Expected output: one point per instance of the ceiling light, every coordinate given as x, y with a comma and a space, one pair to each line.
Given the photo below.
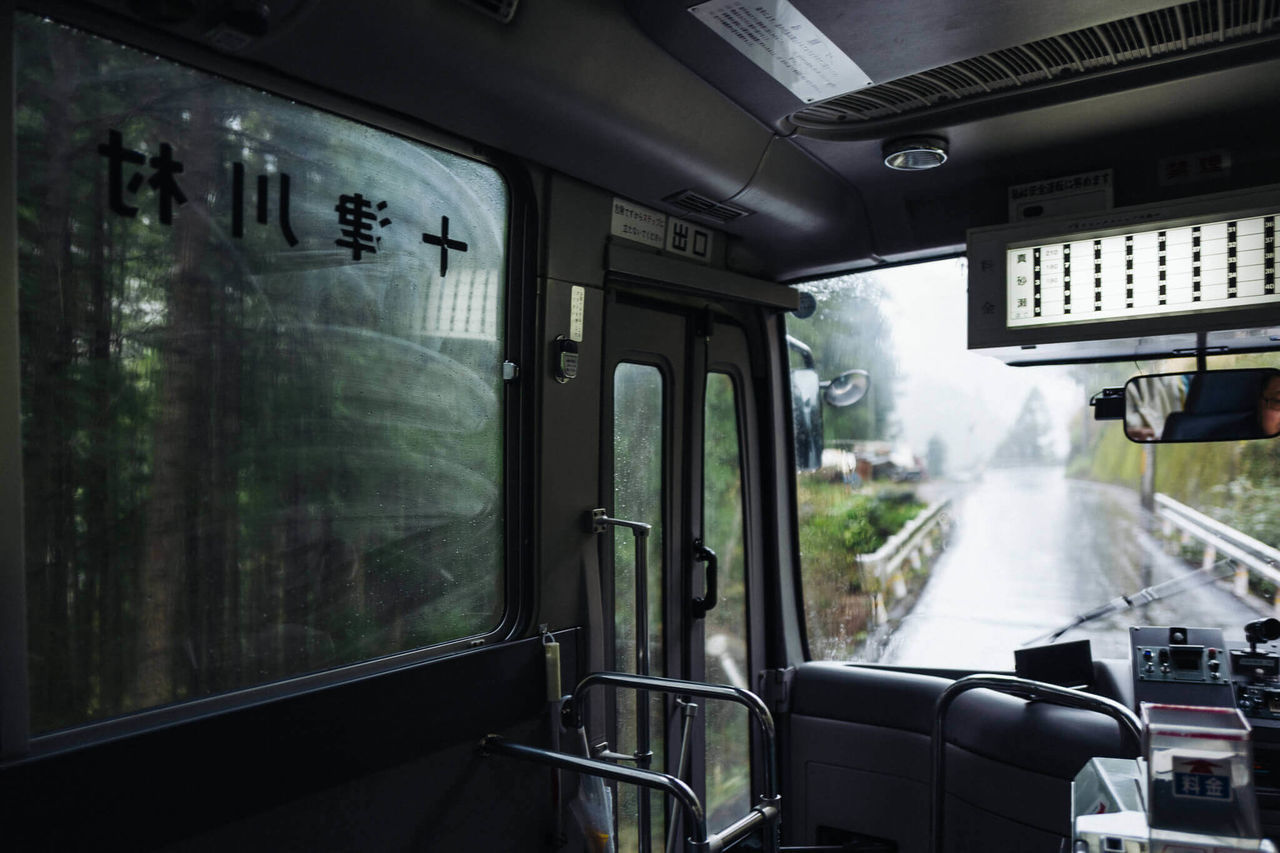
915, 154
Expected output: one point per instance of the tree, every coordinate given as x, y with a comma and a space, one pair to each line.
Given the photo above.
849, 330
1028, 441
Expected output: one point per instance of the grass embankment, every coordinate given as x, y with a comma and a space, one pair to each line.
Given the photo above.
836, 525
1236, 482
1193, 473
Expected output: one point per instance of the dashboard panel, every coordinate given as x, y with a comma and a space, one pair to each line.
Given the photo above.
1196, 666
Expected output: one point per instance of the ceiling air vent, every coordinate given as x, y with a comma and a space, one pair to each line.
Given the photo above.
699, 205
502, 10
1176, 30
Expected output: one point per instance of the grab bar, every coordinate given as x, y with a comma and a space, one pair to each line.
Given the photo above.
1023, 688
769, 807
648, 779
600, 523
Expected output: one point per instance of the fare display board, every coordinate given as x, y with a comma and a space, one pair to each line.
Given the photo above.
1149, 281
1224, 264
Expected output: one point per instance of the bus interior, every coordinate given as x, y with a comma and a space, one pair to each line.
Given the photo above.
468, 424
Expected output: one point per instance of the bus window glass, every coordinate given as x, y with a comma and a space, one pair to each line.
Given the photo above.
261, 352
728, 727
965, 508
638, 447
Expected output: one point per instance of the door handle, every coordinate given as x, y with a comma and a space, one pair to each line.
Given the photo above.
703, 554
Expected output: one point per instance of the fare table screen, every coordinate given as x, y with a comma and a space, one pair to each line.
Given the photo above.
1204, 267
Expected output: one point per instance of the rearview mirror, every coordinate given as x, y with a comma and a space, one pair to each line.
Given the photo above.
1219, 405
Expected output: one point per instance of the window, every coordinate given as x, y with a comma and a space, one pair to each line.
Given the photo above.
261, 371
964, 508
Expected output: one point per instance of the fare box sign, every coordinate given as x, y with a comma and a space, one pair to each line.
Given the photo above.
1201, 779
657, 230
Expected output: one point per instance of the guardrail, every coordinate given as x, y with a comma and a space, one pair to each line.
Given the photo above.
913, 543
1250, 555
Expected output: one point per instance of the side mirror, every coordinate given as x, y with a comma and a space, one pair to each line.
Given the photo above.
1220, 405
846, 389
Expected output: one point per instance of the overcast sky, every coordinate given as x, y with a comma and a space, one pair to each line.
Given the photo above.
970, 400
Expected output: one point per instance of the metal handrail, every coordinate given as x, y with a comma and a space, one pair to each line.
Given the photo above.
600, 522
679, 687
769, 807
699, 842
1026, 689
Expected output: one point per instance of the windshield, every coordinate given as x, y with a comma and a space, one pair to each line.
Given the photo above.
964, 508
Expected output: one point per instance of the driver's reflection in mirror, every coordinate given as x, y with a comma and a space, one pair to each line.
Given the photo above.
1262, 423
1214, 405
1149, 402
1269, 407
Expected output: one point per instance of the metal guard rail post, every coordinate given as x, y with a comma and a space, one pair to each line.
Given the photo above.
699, 842
1025, 689
769, 808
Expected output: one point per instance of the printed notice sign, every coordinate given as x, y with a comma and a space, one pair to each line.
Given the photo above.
777, 37
1082, 193
638, 223
577, 305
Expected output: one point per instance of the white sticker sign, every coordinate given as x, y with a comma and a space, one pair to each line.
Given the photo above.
634, 222
1083, 193
577, 305
779, 39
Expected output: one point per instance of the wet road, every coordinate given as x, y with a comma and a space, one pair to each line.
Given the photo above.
1029, 551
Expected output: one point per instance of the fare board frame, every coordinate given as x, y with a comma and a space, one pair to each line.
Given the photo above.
1243, 328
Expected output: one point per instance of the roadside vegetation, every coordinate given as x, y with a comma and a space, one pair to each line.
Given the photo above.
837, 524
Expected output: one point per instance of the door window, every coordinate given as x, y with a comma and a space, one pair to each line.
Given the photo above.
728, 782
638, 445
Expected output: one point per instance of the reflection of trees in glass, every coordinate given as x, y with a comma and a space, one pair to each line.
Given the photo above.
243, 460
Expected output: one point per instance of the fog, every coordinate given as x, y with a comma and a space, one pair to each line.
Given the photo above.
967, 399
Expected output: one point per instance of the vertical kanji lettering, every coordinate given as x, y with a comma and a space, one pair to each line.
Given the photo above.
117, 155
162, 180
356, 218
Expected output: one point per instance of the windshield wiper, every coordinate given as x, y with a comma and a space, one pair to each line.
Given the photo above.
1164, 589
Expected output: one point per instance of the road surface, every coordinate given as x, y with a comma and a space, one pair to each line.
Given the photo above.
1029, 551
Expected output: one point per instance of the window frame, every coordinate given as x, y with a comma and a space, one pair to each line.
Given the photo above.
515, 416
